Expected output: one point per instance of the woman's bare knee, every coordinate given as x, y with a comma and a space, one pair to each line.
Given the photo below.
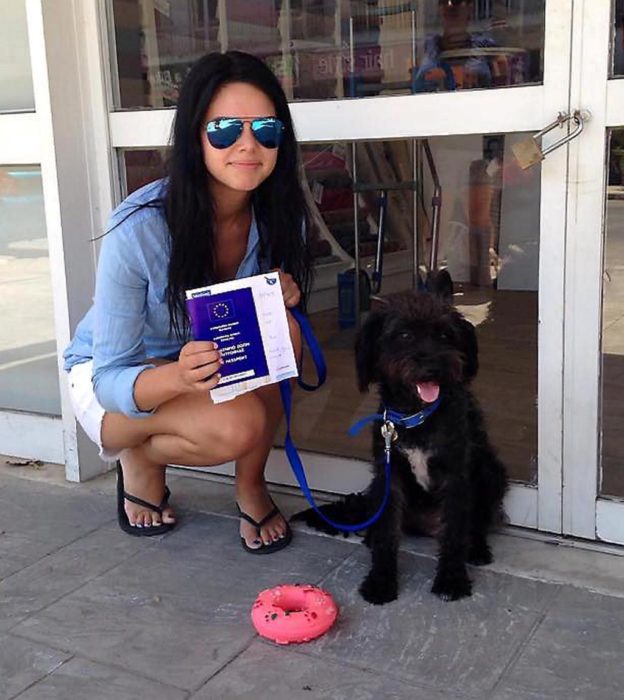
245, 430
118, 432
194, 430
227, 431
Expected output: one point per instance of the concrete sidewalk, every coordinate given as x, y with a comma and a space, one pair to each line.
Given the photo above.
88, 612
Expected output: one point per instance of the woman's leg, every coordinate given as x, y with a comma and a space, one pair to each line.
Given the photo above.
191, 430
145, 477
252, 494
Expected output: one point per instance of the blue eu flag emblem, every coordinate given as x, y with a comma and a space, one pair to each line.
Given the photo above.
222, 310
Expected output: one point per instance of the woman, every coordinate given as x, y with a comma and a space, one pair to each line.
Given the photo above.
232, 206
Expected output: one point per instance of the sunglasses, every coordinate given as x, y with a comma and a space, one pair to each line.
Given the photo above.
225, 131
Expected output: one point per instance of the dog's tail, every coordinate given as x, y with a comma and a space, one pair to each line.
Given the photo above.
350, 510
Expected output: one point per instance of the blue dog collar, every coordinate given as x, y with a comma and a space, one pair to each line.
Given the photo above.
399, 419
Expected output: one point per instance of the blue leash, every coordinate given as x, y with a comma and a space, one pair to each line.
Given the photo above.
390, 418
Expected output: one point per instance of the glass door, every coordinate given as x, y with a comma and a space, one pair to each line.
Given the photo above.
375, 86
30, 399
593, 492
501, 228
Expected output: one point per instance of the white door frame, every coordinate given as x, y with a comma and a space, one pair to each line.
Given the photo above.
585, 513
29, 436
67, 136
520, 109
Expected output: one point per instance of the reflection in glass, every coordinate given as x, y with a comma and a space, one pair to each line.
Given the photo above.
28, 366
16, 88
490, 244
489, 241
324, 49
613, 326
141, 166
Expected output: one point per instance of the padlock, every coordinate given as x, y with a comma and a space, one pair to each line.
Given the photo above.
527, 152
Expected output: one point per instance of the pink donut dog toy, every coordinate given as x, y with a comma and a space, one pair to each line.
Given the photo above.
293, 613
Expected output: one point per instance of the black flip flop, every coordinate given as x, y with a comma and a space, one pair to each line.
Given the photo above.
265, 548
122, 516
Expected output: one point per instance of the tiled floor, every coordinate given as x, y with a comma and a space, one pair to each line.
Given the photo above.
88, 612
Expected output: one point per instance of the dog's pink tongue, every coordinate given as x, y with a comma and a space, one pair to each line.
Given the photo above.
428, 391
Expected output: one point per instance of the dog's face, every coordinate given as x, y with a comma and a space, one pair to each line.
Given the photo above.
416, 345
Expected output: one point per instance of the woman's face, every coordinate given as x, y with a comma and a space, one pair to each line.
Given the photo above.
245, 164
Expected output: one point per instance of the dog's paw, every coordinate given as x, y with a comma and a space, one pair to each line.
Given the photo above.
452, 586
480, 555
378, 590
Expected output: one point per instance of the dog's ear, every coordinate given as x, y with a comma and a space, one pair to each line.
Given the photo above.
440, 284
366, 348
468, 345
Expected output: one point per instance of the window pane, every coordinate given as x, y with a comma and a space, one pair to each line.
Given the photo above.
489, 242
613, 327
28, 364
16, 89
323, 49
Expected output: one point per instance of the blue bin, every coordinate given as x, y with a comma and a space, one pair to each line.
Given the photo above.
346, 296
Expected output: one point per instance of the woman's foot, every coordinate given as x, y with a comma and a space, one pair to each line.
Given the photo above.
145, 481
255, 501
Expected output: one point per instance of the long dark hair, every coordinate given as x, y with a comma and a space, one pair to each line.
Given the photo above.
279, 203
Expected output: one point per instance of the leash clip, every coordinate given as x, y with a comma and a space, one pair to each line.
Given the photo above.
389, 433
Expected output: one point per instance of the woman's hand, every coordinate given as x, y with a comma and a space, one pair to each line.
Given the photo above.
198, 366
290, 290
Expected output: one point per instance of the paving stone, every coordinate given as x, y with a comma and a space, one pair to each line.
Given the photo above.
19, 550
422, 546
40, 584
164, 638
575, 653
207, 496
269, 671
461, 646
79, 679
185, 561
180, 610
40, 517
560, 561
23, 662
196, 494
160, 616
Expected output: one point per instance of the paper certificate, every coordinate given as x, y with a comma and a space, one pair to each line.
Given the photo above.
247, 320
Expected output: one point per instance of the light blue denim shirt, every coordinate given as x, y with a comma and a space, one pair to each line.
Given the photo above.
129, 319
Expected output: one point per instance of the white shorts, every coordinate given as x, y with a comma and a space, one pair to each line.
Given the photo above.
86, 407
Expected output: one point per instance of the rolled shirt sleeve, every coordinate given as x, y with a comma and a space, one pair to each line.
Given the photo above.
119, 321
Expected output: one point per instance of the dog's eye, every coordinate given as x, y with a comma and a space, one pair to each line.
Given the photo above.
406, 335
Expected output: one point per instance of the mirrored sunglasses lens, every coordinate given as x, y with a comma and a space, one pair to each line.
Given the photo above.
222, 133
268, 132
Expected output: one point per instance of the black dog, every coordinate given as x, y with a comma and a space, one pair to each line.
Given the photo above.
446, 480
